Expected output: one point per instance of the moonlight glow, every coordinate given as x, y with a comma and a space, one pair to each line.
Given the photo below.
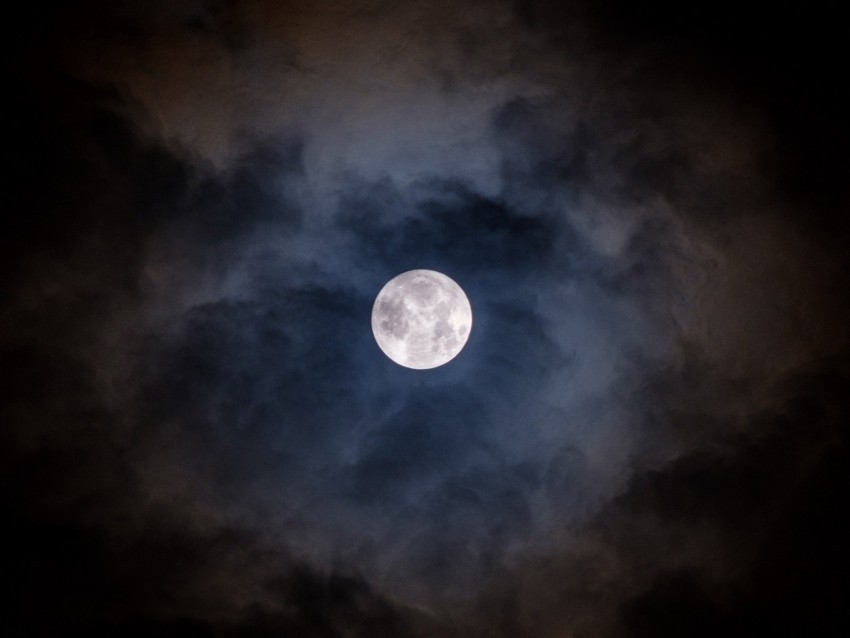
421, 319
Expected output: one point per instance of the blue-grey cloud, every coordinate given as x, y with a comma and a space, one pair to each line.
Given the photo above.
201, 437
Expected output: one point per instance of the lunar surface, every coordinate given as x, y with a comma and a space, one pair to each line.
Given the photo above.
421, 319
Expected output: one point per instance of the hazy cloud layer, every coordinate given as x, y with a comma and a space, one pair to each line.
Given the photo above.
644, 433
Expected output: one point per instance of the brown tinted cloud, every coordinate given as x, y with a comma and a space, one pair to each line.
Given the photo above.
645, 433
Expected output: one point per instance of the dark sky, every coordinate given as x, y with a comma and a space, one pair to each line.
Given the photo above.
647, 206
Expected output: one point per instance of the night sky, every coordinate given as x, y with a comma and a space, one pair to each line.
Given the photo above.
647, 205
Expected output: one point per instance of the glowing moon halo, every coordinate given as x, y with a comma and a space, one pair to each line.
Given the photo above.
421, 319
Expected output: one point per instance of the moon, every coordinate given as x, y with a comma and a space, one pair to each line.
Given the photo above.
421, 319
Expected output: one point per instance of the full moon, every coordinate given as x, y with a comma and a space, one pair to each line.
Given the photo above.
421, 319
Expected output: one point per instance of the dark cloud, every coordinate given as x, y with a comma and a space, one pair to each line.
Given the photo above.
769, 503
454, 229
645, 434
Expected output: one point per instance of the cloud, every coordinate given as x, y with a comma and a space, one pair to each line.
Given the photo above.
641, 436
